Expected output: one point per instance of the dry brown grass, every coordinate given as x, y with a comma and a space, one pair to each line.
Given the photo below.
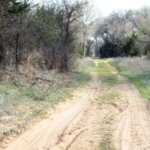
133, 64
85, 62
25, 97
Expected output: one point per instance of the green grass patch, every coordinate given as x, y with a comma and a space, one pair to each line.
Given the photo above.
109, 79
29, 94
141, 81
38, 113
109, 82
106, 142
103, 66
80, 79
100, 69
110, 96
105, 71
139, 78
118, 68
60, 95
111, 63
89, 69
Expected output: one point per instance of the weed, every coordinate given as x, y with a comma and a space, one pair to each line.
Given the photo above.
81, 77
109, 79
110, 96
137, 71
106, 143
111, 63
20, 101
141, 81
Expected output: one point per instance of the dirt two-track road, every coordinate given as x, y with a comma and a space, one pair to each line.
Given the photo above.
133, 125
77, 124
73, 125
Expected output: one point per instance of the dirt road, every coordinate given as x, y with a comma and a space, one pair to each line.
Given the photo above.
132, 129
73, 125
88, 123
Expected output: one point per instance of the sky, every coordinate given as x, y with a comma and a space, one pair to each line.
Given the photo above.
105, 7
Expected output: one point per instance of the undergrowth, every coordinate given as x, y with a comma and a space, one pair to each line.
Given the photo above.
19, 103
140, 80
80, 79
137, 71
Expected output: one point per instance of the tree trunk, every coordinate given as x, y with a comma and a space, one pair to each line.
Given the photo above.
3, 15
84, 42
17, 51
2, 55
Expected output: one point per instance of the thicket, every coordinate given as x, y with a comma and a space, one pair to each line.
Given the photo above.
39, 36
128, 48
124, 34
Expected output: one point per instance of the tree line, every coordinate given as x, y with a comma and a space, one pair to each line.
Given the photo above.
124, 33
42, 36
50, 36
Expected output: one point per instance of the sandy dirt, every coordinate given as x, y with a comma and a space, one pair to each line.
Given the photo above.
132, 128
79, 123
73, 125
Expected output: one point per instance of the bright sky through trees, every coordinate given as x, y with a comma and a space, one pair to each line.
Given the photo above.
105, 7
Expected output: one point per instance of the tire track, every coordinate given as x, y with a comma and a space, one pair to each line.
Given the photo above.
133, 125
70, 117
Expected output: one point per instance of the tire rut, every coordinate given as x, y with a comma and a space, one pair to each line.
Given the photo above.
66, 125
132, 129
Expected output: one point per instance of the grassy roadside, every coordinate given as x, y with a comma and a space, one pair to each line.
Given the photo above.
110, 96
139, 80
18, 105
79, 78
137, 71
104, 71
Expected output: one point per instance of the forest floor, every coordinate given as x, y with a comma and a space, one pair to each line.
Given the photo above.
107, 114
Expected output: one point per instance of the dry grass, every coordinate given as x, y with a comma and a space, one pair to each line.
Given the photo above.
133, 64
85, 62
137, 70
24, 96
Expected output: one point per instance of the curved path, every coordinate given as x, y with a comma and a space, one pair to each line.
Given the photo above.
73, 125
